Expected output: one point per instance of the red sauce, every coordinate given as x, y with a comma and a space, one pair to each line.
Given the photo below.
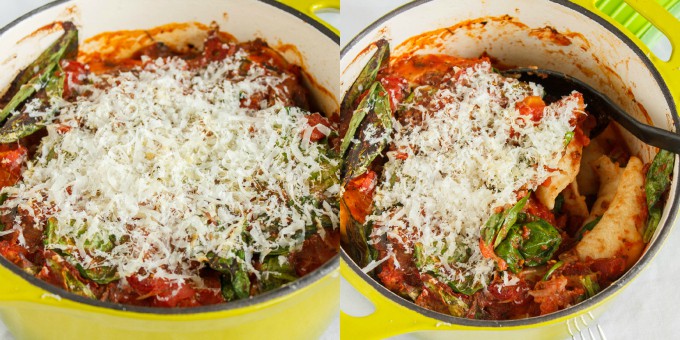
141, 289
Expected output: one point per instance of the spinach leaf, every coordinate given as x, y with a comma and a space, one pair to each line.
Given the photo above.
71, 282
65, 47
234, 271
467, 286
276, 273
227, 288
508, 250
587, 227
498, 225
356, 238
559, 203
327, 176
542, 243
42, 86
101, 275
568, 137
659, 176
491, 227
590, 285
656, 184
510, 219
457, 307
652, 222
533, 250
552, 269
374, 131
38, 75
366, 77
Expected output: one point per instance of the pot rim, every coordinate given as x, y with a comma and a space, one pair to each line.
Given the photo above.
606, 293
307, 280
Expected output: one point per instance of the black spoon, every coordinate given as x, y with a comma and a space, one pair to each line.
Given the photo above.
557, 84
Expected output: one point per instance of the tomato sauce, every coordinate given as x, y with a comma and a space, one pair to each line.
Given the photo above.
142, 289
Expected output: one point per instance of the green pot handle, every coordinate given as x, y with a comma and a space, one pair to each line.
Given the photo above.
666, 23
309, 8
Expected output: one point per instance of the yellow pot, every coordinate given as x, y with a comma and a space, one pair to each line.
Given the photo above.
601, 52
33, 309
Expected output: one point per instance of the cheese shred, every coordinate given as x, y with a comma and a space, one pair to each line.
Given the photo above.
159, 168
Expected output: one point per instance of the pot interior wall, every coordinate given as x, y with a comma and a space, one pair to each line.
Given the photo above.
527, 33
245, 19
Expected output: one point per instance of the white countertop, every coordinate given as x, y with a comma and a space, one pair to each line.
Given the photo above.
646, 309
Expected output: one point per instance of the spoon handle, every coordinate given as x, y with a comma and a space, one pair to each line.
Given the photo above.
648, 134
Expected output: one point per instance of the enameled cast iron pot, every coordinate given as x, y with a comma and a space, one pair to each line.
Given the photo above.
597, 50
33, 309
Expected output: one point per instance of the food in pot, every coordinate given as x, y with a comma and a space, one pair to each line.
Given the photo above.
167, 179
480, 196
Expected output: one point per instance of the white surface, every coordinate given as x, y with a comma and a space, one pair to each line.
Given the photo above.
12, 9
646, 309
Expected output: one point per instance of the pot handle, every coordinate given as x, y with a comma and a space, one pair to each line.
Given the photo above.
658, 16
310, 7
388, 319
669, 26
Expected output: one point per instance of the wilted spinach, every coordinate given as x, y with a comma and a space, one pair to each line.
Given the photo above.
656, 184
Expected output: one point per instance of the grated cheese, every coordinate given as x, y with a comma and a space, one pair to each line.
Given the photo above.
471, 155
162, 167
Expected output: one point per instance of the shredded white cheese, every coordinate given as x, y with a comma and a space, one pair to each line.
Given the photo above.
469, 156
162, 166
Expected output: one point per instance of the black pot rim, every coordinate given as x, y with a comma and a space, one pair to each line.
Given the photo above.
605, 293
301, 283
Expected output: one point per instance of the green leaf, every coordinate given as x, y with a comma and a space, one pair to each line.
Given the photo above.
241, 284
377, 125
457, 307
366, 77
543, 242
552, 269
652, 223
327, 176
508, 250
568, 137
37, 75
234, 271
659, 176
590, 285
227, 288
559, 203
357, 241
50, 232
467, 286
100, 275
65, 47
275, 274
73, 285
420, 258
587, 227
534, 250
509, 219
491, 227
420, 95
